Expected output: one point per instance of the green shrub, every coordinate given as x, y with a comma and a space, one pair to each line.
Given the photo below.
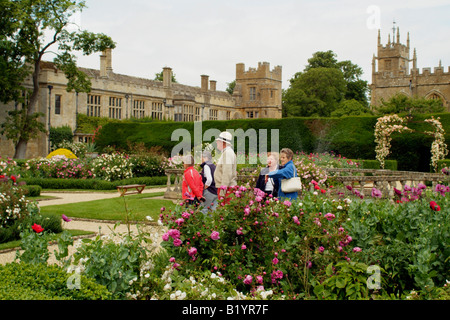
60, 134
93, 184
346, 281
50, 223
375, 164
21, 281
32, 191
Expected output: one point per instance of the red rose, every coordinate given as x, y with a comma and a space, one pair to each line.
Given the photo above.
13, 178
37, 228
434, 206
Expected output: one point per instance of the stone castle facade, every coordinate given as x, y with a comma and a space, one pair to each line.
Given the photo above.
393, 74
257, 94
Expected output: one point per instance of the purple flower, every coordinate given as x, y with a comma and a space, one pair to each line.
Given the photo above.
64, 217
275, 261
321, 249
376, 193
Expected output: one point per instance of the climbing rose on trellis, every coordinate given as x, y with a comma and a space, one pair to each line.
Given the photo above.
393, 123
383, 129
438, 147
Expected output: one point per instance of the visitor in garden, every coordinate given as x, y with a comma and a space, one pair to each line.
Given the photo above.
286, 170
209, 190
192, 186
225, 175
269, 185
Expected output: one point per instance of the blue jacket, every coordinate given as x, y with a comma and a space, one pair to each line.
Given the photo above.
285, 172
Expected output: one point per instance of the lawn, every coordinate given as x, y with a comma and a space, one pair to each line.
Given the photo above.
138, 206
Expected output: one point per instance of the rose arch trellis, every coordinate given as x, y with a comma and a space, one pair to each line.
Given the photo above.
393, 123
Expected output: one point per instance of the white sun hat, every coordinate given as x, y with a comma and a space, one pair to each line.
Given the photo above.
225, 137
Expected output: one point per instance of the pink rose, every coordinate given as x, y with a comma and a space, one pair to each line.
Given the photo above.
177, 242
248, 279
192, 251
215, 235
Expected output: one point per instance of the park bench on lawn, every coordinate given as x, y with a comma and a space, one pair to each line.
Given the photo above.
123, 190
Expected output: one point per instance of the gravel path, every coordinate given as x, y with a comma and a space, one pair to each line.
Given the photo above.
7, 256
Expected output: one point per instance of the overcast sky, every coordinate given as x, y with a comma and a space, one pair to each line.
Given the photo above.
196, 37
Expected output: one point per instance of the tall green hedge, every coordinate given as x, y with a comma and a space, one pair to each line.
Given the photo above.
352, 137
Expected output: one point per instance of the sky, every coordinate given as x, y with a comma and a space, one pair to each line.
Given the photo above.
209, 37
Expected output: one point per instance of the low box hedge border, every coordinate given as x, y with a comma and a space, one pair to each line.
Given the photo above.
91, 184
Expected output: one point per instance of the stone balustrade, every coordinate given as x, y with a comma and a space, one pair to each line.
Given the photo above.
361, 179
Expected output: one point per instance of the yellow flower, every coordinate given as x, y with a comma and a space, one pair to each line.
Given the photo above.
62, 152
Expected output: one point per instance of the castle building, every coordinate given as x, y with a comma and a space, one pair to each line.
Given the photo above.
257, 94
392, 74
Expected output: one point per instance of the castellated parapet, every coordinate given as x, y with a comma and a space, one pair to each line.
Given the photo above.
122, 97
258, 91
392, 73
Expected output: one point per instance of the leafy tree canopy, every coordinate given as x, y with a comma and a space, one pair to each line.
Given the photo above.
28, 29
321, 87
402, 104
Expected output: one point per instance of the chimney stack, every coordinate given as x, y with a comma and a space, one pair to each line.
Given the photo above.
205, 80
106, 63
167, 77
212, 85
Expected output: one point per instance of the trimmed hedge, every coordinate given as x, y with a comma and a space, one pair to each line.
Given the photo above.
92, 184
21, 281
375, 164
351, 137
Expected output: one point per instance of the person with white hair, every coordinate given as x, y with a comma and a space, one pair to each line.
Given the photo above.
210, 189
225, 174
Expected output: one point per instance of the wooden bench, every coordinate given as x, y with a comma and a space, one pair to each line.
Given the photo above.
124, 189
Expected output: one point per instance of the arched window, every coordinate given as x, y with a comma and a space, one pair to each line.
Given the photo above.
434, 96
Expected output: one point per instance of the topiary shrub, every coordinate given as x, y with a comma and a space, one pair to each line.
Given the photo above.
21, 281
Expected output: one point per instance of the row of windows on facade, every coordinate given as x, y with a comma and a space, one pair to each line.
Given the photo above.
115, 111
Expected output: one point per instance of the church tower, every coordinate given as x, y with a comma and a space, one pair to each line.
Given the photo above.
393, 58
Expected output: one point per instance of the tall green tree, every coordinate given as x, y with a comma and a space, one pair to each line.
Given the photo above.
28, 30
316, 92
323, 85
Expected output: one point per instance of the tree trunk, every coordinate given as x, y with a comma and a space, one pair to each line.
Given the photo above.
21, 146
21, 149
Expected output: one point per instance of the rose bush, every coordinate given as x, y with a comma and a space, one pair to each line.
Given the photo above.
275, 244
